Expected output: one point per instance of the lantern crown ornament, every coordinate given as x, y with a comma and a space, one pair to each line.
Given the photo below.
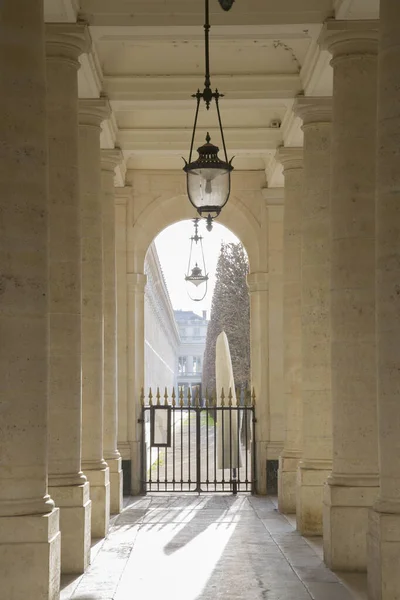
195, 274
208, 178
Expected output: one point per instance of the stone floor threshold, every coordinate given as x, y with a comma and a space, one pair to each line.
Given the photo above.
208, 547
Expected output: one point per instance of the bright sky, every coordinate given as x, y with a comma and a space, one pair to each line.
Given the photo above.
173, 247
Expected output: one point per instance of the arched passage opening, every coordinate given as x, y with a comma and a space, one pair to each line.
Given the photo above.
155, 201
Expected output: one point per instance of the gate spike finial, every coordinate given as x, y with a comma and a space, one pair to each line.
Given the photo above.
222, 397
197, 399
181, 398
158, 396
253, 397
150, 398
166, 397
206, 398
189, 397
230, 397
173, 396
142, 401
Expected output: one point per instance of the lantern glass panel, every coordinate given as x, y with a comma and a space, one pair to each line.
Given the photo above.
208, 188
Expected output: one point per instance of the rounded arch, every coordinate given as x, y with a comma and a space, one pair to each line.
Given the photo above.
165, 210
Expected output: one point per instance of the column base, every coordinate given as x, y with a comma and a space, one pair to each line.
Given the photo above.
383, 555
116, 485
287, 477
100, 496
75, 526
345, 516
30, 549
311, 478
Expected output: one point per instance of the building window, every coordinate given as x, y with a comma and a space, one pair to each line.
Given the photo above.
196, 364
182, 365
196, 331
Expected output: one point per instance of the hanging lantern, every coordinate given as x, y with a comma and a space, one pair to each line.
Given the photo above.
195, 274
208, 177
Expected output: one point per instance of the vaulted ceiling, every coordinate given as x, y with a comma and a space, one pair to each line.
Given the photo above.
148, 58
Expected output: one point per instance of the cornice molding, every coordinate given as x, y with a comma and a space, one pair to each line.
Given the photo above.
258, 282
122, 195
67, 41
136, 282
274, 196
347, 39
290, 158
93, 111
313, 109
111, 158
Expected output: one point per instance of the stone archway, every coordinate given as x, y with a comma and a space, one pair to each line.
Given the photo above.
154, 201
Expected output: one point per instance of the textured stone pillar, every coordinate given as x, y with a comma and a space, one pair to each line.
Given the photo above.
353, 485
67, 484
109, 160
384, 536
316, 462
292, 161
136, 286
29, 523
121, 220
91, 114
258, 290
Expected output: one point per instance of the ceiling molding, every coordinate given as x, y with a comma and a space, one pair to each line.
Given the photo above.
164, 87
222, 35
178, 139
90, 76
184, 13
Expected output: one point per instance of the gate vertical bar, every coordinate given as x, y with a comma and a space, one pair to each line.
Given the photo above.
198, 445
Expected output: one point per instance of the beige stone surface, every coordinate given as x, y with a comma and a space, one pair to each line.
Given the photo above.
292, 161
353, 486
29, 528
91, 115
136, 285
315, 313
384, 536
109, 160
64, 44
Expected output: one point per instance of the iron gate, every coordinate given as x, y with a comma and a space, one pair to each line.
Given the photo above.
198, 445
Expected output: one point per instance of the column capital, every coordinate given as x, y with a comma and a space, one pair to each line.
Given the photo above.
346, 39
67, 41
289, 158
111, 158
257, 282
316, 109
136, 282
93, 111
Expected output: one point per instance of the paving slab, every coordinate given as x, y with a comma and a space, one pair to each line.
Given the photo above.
208, 547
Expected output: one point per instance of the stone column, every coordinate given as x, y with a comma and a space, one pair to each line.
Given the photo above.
91, 115
136, 286
67, 484
29, 523
384, 527
353, 485
109, 160
316, 462
292, 161
258, 290
121, 219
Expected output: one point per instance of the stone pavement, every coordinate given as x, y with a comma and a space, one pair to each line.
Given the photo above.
218, 547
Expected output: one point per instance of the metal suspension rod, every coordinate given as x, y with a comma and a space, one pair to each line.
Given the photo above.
207, 82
